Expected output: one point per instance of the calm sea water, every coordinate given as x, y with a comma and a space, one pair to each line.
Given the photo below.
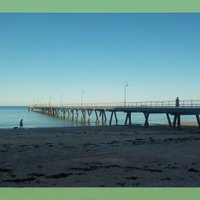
10, 117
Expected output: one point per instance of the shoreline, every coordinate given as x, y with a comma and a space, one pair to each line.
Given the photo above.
103, 156
136, 125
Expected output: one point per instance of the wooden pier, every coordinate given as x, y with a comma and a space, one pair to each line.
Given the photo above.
188, 107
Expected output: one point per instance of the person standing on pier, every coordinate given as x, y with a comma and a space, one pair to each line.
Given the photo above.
177, 102
21, 124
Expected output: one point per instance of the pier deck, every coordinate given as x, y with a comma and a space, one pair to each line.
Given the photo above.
189, 107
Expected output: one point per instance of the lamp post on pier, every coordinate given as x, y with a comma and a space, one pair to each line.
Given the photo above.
125, 85
82, 98
61, 99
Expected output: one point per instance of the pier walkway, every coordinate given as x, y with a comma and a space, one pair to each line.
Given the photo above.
84, 111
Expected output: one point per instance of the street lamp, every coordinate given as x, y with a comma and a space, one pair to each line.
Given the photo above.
61, 99
125, 85
82, 98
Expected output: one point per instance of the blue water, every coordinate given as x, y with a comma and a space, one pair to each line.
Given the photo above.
10, 117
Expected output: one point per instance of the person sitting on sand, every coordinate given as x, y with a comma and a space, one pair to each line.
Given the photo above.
21, 124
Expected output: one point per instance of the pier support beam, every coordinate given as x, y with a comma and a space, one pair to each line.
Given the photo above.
101, 115
146, 115
110, 123
72, 114
104, 116
57, 112
174, 122
169, 120
116, 120
198, 120
97, 116
177, 121
83, 118
76, 118
64, 114
68, 114
128, 118
89, 115
111, 117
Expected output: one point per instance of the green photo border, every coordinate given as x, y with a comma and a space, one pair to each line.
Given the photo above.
99, 6
99, 194
10, 6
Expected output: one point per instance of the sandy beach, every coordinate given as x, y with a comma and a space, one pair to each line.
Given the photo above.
116, 156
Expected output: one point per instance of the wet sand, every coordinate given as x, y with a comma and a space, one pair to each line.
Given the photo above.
114, 156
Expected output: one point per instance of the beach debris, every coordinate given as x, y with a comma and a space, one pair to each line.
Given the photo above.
132, 178
58, 176
192, 170
5, 170
20, 180
36, 174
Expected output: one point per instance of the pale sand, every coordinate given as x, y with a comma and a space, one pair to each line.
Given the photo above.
100, 156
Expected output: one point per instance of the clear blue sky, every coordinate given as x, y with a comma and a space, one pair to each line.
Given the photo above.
46, 56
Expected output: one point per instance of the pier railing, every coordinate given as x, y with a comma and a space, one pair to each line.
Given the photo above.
161, 104
150, 104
